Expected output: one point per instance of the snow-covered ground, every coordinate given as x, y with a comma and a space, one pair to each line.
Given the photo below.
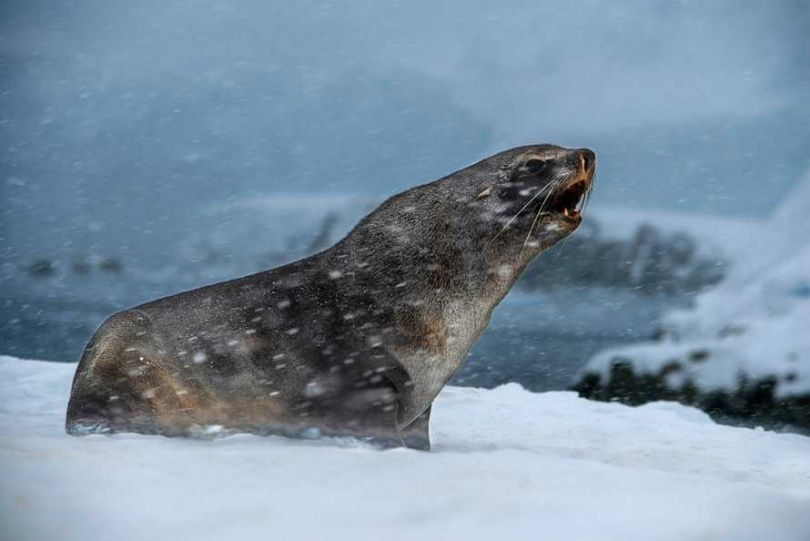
507, 464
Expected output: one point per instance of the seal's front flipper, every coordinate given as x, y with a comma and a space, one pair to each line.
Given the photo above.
417, 434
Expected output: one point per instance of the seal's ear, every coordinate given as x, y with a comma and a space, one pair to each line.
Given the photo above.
485, 193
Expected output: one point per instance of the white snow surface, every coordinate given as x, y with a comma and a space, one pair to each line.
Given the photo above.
507, 464
755, 324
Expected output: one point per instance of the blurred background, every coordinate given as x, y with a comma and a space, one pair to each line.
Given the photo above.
150, 147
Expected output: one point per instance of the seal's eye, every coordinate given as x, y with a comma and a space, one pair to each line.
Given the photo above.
534, 165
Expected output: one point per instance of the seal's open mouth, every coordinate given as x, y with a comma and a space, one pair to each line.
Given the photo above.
570, 201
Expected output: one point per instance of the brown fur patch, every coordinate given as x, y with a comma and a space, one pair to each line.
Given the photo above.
183, 405
425, 332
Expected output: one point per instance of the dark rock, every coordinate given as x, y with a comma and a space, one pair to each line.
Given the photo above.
752, 402
699, 356
112, 265
42, 268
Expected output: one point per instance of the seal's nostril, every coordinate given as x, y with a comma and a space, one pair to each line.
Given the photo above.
588, 159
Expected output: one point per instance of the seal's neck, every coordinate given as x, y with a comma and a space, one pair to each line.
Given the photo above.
434, 292
434, 273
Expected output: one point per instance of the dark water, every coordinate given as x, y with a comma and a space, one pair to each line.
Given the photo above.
542, 340
539, 362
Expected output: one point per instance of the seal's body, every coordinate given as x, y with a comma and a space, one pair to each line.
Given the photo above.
354, 341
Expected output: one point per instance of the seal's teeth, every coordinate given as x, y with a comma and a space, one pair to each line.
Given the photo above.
565, 211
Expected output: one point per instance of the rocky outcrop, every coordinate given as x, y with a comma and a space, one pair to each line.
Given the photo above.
751, 401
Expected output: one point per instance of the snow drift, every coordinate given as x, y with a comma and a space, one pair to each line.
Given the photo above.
507, 464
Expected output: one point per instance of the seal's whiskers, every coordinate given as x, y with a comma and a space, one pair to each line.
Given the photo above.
552, 187
513, 218
528, 235
539, 212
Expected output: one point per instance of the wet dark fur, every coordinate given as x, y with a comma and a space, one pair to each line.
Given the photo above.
353, 341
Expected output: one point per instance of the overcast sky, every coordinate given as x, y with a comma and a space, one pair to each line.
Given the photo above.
119, 120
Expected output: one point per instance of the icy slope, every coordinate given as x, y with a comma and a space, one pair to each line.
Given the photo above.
758, 332
507, 464
747, 339
772, 276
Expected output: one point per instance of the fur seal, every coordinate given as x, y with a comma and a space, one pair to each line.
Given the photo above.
354, 341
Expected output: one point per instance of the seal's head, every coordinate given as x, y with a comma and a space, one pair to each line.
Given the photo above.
529, 198
495, 215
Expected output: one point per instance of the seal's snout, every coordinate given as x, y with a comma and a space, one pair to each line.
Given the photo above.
568, 201
587, 159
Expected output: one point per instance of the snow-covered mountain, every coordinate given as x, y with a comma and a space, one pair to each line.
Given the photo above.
506, 464
744, 350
